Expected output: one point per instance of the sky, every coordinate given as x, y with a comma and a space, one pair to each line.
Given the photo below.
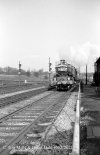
31, 31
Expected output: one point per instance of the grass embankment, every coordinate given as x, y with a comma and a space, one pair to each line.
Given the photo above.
14, 79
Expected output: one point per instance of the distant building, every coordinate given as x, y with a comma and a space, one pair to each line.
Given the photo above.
96, 77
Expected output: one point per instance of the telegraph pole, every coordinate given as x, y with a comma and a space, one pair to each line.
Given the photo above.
49, 70
86, 74
19, 73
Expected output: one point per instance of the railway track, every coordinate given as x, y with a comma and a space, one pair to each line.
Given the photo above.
14, 88
8, 99
28, 125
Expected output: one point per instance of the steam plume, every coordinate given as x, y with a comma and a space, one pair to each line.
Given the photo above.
79, 56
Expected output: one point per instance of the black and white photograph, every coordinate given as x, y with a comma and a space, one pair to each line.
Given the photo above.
49, 77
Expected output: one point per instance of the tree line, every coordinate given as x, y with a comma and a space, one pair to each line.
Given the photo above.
14, 71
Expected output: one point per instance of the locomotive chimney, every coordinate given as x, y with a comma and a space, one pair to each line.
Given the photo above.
62, 62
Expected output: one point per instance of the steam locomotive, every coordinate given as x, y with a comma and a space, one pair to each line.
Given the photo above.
65, 75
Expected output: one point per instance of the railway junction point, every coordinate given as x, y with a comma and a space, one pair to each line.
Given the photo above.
90, 121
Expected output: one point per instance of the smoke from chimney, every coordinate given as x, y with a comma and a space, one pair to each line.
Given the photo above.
79, 56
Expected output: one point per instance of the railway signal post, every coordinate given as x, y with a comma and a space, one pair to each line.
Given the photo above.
50, 71
19, 73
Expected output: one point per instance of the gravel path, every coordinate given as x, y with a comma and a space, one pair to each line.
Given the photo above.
90, 119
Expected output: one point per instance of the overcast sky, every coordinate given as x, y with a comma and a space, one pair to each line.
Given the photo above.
34, 30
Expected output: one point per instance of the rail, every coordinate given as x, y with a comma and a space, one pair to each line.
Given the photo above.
49, 110
76, 137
